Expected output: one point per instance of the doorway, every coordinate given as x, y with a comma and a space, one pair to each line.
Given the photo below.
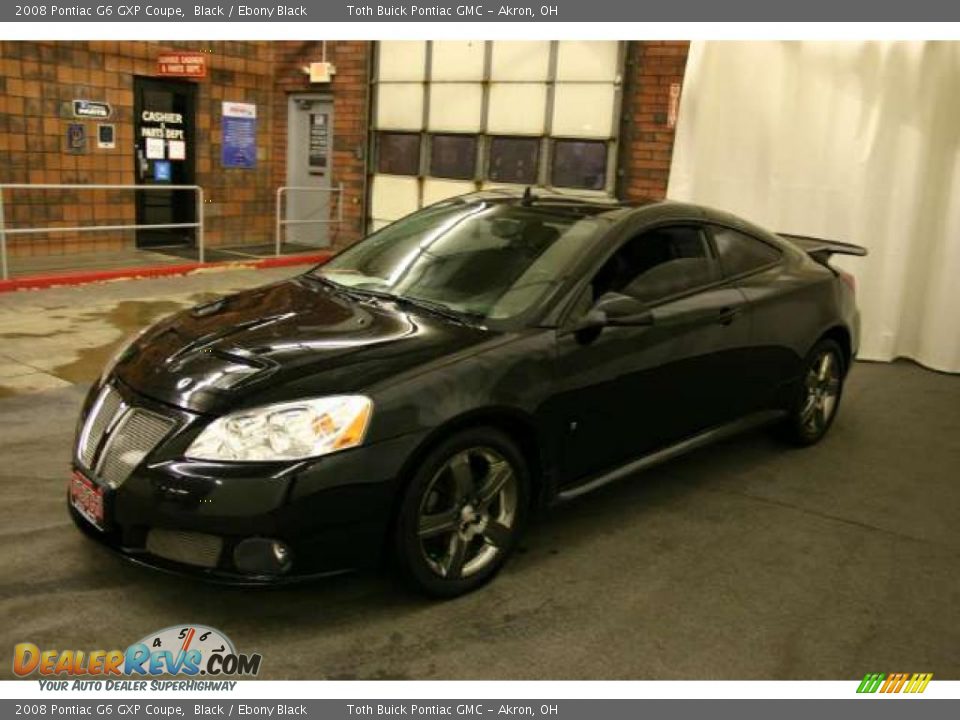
164, 154
309, 160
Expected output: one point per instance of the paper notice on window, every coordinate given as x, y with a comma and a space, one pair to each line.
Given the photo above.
176, 150
155, 149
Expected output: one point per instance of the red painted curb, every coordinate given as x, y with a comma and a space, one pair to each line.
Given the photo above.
36, 282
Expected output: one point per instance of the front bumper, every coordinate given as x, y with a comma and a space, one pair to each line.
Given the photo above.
221, 521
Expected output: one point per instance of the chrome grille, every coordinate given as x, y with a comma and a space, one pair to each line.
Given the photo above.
102, 414
138, 432
185, 547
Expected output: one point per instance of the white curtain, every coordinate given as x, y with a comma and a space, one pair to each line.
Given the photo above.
858, 142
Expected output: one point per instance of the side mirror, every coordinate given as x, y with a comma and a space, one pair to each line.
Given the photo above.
623, 311
614, 310
593, 319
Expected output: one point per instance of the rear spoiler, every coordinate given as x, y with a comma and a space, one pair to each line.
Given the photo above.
820, 249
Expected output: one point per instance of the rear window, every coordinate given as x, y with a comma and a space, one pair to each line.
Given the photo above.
739, 253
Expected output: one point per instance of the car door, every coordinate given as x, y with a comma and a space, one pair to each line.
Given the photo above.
756, 268
626, 391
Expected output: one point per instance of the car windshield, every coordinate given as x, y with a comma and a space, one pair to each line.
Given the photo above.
493, 260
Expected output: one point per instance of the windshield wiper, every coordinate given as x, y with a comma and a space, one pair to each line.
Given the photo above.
463, 316
435, 307
326, 282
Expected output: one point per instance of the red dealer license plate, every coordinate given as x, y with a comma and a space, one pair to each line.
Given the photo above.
87, 498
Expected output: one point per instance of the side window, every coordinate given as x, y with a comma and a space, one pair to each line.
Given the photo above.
657, 264
739, 253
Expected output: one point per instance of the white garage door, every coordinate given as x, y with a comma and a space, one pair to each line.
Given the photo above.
451, 117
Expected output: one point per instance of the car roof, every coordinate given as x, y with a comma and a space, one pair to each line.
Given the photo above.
610, 208
615, 210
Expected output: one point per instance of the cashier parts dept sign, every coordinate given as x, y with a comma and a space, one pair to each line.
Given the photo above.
180, 650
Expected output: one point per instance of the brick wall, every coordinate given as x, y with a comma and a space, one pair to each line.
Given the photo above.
239, 201
647, 138
39, 80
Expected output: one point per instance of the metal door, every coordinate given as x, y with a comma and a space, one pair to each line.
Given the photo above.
164, 152
309, 160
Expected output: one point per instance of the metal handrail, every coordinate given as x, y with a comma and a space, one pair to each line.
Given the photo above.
281, 222
4, 231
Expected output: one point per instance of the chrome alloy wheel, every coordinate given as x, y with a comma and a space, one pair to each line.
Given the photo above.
468, 513
822, 390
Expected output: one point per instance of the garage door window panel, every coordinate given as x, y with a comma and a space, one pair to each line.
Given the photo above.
579, 164
583, 110
517, 109
527, 60
453, 156
401, 60
538, 113
514, 160
587, 61
398, 154
457, 60
740, 254
400, 106
456, 107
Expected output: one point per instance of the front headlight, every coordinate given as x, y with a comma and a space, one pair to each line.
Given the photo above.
286, 431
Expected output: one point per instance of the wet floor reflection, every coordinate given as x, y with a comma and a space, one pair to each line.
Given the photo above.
81, 364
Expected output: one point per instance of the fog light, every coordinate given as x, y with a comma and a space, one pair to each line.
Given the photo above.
263, 556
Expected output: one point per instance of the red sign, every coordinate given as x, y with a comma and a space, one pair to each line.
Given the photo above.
191, 65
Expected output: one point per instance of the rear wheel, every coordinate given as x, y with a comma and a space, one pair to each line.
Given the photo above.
818, 397
462, 512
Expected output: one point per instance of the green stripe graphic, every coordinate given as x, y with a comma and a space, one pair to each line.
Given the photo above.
871, 682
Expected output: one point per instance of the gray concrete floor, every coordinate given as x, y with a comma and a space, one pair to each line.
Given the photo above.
744, 560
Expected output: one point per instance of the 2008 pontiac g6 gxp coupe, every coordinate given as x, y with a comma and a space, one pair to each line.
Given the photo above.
418, 395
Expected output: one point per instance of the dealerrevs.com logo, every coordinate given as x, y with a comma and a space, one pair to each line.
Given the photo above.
888, 683
191, 650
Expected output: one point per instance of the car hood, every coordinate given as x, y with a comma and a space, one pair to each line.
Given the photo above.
285, 341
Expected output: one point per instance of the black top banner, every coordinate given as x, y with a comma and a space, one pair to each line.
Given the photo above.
510, 11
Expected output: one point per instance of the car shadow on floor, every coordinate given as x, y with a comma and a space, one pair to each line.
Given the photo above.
367, 597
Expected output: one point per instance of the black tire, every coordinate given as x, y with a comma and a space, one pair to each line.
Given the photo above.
433, 557
809, 416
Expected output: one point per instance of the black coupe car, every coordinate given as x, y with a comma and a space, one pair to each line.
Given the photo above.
421, 393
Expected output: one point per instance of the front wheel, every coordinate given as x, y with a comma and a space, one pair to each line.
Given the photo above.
818, 397
462, 512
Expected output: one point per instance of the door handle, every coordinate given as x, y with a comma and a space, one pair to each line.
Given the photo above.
727, 315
